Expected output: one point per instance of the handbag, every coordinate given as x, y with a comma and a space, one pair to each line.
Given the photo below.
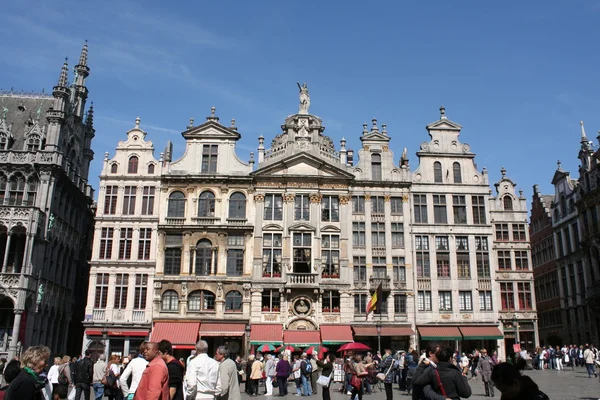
324, 380
437, 375
356, 381
274, 382
381, 376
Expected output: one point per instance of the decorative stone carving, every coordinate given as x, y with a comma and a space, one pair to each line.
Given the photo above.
184, 291
445, 316
405, 198
344, 199
246, 287
304, 98
367, 197
288, 197
219, 290
387, 198
301, 306
366, 147
259, 197
315, 198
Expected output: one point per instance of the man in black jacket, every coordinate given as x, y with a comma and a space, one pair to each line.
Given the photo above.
447, 378
83, 376
425, 392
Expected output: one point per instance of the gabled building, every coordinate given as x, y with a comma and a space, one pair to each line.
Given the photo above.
46, 216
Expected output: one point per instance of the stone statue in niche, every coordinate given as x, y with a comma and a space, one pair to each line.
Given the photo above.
304, 98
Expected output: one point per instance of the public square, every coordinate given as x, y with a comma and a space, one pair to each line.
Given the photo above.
558, 385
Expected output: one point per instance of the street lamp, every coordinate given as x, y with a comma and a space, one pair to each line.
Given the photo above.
378, 326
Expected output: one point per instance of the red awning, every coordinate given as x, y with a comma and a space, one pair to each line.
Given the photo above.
117, 332
184, 346
481, 332
439, 333
385, 331
266, 333
216, 329
302, 338
185, 333
336, 334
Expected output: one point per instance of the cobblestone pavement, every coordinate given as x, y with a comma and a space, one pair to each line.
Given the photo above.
558, 385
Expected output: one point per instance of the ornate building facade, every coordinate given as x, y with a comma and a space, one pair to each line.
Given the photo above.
290, 247
46, 216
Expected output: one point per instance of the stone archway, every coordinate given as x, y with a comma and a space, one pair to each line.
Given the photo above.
97, 348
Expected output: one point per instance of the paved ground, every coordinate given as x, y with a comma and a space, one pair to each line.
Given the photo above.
558, 385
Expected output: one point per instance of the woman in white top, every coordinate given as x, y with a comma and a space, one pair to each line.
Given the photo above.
113, 391
53, 372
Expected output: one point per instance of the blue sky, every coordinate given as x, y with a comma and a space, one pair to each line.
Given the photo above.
519, 76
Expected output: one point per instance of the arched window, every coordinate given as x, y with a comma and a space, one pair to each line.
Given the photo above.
507, 201
206, 204
32, 185
437, 172
233, 301
170, 301
132, 167
33, 143
237, 205
563, 205
201, 300
3, 184
204, 252
176, 205
16, 190
3, 141
376, 166
456, 172
150, 169
114, 168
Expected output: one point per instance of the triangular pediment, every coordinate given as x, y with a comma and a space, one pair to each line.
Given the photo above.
303, 165
375, 137
302, 226
444, 125
558, 175
211, 130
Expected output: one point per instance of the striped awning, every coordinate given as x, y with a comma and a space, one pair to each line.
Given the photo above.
221, 329
178, 333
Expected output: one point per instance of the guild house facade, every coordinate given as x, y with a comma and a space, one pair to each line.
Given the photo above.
289, 247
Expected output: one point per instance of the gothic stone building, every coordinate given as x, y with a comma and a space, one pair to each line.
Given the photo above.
290, 250
46, 216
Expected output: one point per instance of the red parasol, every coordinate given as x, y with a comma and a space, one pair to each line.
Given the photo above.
354, 346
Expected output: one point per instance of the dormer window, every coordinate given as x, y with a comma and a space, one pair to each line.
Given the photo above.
33, 143
3, 142
508, 204
437, 172
456, 172
150, 169
114, 168
376, 167
132, 167
209, 158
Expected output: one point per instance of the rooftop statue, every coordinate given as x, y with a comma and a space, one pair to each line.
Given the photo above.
304, 98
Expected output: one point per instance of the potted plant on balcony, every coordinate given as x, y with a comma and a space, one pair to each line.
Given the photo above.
266, 274
276, 274
336, 309
326, 309
335, 275
265, 308
325, 276
276, 309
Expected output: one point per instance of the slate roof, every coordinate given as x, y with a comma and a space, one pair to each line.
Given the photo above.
24, 111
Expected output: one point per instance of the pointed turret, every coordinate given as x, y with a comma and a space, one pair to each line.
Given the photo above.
89, 119
62, 79
82, 71
586, 151
56, 114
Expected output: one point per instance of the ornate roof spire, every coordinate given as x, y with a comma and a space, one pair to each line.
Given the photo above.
191, 125
62, 79
558, 165
365, 131
84, 54
583, 135
212, 116
443, 112
374, 128
89, 120
233, 127
137, 123
503, 172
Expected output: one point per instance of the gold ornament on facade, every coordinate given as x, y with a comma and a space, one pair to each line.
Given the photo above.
366, 147
385, 148
259, 197
344, 199
288, 197
315, 198
405, 198
387, 198
367, 197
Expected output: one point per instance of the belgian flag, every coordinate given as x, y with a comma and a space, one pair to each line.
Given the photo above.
375, 302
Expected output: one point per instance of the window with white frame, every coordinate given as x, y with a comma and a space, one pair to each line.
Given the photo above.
482, 256
272, 248
459, 205
485, 300
358, 234
442, 256
478, 205
377, 234
521, 260
358, 204
125, 243
121, 284
201, 300
396, 205
129, 200
148, 200
331, 301
144, 243
110, 200
233, 301
376, 167
420, 208
101, 295
273, 207
302, 252
330, 209
397, 235
400, 304
445, 298
330, 251
235, 254
399, 270
271, 300
237, 205
210, 153
141, 291
359, 269
206, 204
106, 243
173, 246
463, 262
440, 216
302, 207
170, 301
465, 301
360, 303
422, 257
424, 300
377, 205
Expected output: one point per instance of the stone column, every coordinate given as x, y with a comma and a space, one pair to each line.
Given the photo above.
160, 254
27, 264
346, 229
315, 216
6, 251
185, 262
14, 348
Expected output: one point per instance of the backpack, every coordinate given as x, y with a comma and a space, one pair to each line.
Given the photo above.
307, 367
62, 377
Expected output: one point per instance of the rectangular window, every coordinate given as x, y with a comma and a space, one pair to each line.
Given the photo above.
399, 270
173, 248
330, 254
397, 235
524, 293
359, 269
360, 303
121, 283
439, 209
400, 304
502, 232
106, 243
442, 256
424, 300
465, 301
330, 209
331, 301
377, 234
504, 260
302, 208
271, 300
129, 200
420, 208
422, 253
377, 205
519, 234
396, 205
101, 296
478, 204
272, 247
507, 295
125, 243
358, 204
273, 207
110, 200
464, 265
485, 300
459, 203
358, 234
148, 200
445, 298
209, 158
483, 257
302, 254
379, 268
235, 262
141, 291
144, 243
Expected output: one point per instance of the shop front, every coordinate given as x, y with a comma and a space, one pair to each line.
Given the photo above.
480, 337
381, 337
230, 335
444, 335
110, 341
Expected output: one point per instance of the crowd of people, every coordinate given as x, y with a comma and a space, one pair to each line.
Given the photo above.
567, 356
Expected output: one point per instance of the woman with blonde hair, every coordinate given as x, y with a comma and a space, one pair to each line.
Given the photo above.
53, 372
28, 384
111, 389
65, 376
255, 375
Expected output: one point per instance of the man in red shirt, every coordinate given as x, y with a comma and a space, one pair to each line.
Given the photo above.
154, 384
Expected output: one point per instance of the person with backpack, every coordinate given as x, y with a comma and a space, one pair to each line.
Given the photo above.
305, 371
83, 376
65, 373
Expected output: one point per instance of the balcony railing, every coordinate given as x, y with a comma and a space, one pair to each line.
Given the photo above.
295, 278
423, 284
375, 281
138, 316
484, 284
206, 220
236, 221
175, 221
378, 251
99, 315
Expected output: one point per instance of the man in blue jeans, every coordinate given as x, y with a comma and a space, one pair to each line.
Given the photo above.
99, 370
306, 370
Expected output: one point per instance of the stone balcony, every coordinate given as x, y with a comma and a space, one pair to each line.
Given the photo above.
384, 281
120, 316
302, 279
